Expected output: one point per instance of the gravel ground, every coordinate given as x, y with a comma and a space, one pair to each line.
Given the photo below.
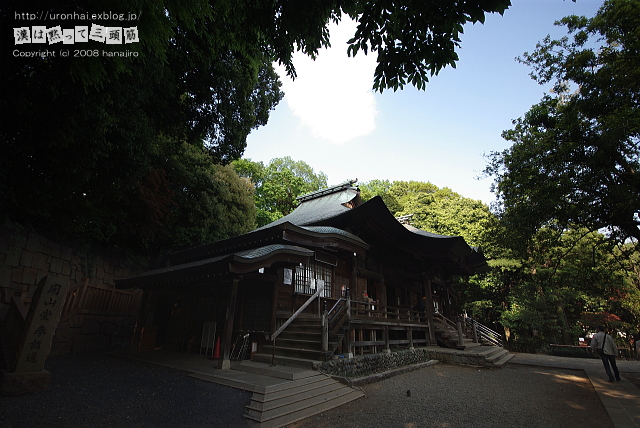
448, 396
92, 390
89, 390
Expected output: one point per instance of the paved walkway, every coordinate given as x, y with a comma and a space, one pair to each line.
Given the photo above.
621, 399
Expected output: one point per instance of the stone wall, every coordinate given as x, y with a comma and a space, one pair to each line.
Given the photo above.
26, 257
365, 365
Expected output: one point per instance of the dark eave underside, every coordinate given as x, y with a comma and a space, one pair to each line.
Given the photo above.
240, 262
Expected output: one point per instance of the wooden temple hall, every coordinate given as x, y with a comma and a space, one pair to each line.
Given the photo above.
336, 277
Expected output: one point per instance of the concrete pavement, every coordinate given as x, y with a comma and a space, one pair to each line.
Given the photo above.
621, 399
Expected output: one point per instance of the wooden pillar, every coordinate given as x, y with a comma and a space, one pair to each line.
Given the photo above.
353, 282
410, 334
429, 296
382, 297
224, 362
386, 349
274, 301
140, 322
353, 279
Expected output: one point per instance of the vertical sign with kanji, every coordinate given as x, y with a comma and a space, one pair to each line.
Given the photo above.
41, 323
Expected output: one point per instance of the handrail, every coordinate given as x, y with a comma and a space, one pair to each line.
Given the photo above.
484, 332
336, 305
445, 319
298, 312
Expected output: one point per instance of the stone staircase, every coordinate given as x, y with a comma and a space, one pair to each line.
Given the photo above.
303, 394
494, 356
480, 353
447, 336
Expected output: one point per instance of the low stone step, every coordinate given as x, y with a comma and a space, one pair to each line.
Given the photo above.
268, 402
503, 360
288, 389
304, 363
279, 372
470, 344
310, 411
303, 409
490, 352
288, 351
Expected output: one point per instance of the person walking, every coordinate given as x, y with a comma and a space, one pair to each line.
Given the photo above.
605, 347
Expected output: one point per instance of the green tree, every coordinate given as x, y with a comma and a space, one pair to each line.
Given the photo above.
567, 285
211, 201
436, 210
380, 188
575, 159
80, 134
278, 184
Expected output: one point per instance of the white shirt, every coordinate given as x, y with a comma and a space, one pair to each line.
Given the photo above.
609, 345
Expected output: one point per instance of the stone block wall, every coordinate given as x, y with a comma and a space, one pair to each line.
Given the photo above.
365, 365
26, 257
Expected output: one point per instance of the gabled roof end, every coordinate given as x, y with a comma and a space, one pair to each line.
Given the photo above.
327, 191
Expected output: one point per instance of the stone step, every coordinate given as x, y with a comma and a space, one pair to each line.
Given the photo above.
295, 411
279, 372
490, 352
289, 351
288, 389
503, 358
267, 402
304, 363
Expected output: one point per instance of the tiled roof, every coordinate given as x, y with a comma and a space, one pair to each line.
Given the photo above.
318, 209
241, 256
335, 230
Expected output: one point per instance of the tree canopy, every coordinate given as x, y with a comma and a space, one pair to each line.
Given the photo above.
575, 155
278, 184
437, 210
87, 138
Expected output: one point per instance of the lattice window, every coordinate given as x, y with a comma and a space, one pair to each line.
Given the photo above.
308, 275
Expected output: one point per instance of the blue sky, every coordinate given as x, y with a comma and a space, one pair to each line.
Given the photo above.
330, 119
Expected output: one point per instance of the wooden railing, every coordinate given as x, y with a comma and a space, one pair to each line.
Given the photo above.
389, 313
372, 323
98, 299
301, 309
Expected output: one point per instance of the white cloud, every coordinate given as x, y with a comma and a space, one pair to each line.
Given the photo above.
332, 95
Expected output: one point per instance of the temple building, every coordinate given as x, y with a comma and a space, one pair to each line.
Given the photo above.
335, 277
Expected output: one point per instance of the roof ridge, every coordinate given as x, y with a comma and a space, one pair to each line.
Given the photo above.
326, 191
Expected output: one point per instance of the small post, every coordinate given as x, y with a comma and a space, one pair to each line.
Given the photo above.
410, 334
460, 334
273, 351
386, 349
325, 329
475, 332
347, 336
